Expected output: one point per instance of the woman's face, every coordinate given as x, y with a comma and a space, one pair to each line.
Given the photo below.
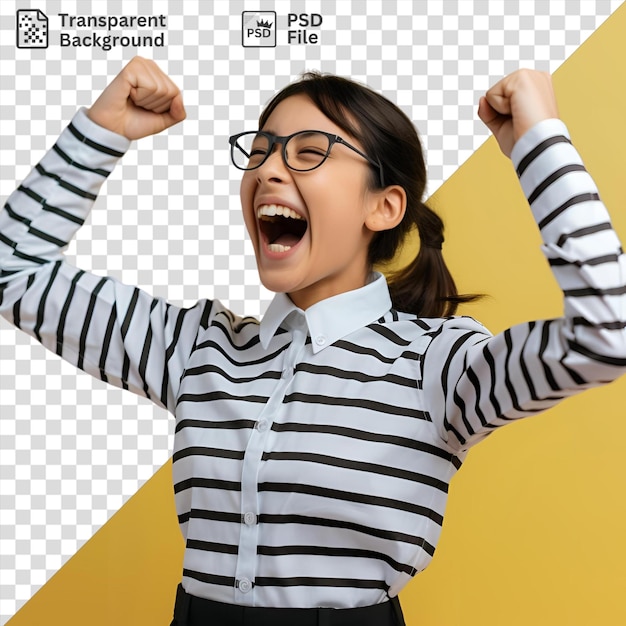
317, 249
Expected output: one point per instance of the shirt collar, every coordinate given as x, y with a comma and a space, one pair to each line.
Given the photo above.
330, 319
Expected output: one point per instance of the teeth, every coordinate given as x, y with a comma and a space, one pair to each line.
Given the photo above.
276, 247
270, 210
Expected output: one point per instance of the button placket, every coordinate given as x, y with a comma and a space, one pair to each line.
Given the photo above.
248, 539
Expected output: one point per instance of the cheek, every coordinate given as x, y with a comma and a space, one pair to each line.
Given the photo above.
246, 196
246, 189
341, 202
335, 186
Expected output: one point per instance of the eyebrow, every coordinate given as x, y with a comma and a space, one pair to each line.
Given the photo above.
304, 130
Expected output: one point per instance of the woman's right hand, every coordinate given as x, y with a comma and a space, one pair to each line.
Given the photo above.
140, 101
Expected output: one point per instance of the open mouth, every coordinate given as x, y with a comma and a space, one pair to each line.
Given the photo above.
281, 227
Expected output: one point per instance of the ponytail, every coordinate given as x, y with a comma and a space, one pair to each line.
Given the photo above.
425, 286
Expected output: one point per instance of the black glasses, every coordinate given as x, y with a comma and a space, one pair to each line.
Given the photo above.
302, 151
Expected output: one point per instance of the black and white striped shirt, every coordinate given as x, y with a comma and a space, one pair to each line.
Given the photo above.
313, 450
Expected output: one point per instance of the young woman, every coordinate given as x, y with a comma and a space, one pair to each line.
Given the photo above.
313, 450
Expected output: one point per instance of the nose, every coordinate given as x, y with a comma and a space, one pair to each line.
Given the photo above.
274, 167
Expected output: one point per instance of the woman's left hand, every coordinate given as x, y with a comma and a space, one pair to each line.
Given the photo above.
515, 104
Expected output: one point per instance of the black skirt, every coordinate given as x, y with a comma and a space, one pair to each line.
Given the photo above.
193, 611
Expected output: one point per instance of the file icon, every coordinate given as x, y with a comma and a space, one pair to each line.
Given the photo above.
32, 29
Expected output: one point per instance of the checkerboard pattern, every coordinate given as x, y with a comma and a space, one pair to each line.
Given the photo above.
73, 450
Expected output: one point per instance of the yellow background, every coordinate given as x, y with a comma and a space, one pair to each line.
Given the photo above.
535, 528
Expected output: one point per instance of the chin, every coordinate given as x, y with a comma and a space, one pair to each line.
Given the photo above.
277, 286
275, 283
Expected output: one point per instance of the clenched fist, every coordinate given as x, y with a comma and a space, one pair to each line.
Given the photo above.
140, 101
515, 104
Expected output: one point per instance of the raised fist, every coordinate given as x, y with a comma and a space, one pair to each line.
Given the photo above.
515, 104
140, 101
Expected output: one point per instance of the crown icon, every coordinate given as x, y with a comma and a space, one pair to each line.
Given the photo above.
262, 24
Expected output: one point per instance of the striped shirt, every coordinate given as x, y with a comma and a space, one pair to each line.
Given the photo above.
313, 450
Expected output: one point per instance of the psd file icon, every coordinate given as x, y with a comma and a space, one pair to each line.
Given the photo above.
258, 29
31, 29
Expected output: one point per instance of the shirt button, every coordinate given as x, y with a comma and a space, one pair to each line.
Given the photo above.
262, 425
249, 519
245, 585
320, 340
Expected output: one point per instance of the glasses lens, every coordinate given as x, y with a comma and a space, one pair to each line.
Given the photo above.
249, 150
306, 150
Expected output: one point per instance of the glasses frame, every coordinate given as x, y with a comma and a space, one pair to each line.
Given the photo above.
282, 140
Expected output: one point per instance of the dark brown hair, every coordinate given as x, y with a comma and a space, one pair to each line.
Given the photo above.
425, 286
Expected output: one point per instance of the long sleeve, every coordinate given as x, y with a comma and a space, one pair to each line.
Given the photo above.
476, 382
115, 332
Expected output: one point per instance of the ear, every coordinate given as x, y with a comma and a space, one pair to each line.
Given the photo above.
388, 208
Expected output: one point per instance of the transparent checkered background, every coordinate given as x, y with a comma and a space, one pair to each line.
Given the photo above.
73, 449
